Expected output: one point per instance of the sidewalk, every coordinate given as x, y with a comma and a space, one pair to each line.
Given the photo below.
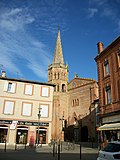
46, 153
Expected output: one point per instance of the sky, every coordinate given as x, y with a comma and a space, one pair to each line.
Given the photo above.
28, 32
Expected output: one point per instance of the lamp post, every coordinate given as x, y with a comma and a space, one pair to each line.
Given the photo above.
39, 115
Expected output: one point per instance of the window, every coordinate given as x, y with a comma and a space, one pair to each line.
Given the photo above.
119, 51
44, 111
45, 91
75, 102
57, 87
55, 76
27, 109
28, 89
118, 89
106, 66
63, 88
58, 75
8, 108
119, 57
108, 94
9, 87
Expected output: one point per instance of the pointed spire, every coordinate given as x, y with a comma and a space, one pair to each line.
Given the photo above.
58, 54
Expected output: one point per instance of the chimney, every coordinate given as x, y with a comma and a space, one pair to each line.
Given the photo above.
3, 74
100, 47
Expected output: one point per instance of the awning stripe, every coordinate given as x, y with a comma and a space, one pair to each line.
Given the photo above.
112, 126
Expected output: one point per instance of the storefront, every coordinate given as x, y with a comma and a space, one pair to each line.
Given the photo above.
108, 133
24, 132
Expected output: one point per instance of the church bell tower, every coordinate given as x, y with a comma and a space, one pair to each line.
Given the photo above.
58, 70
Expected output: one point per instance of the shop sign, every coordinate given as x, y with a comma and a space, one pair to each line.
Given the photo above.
25, 123
13, 124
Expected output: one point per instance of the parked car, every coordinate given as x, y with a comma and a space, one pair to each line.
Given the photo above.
110, 152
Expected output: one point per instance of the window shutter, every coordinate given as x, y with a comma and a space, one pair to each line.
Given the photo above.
28, 89
8, 108
5, 86
13, 88
26, 109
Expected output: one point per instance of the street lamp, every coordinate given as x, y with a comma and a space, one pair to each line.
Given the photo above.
39, 115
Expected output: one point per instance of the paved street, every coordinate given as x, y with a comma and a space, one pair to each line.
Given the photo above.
46, 153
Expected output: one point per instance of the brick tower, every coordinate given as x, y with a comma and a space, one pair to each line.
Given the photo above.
58, 75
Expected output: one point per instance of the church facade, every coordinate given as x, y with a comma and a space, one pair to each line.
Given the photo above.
74, 102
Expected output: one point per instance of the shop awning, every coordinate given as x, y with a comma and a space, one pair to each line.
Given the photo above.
113, 126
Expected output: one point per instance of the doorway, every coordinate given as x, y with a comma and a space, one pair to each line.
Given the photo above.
84, 134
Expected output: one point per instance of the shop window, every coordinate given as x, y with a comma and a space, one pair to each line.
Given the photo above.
45, 91
22, 135
27, 109
108, 94
3, 133
29, 89
9, 87
106, 68
9, 107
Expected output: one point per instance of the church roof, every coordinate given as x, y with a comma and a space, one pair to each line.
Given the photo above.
58, 54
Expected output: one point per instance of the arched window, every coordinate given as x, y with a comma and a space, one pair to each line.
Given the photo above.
51, 76
55, 76
64, 76
77, 102
58, 87
63, 88
58, 75
55, 88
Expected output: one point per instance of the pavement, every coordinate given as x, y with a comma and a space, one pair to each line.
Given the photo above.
67, 152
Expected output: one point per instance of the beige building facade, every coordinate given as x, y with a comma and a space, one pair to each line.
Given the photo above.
25, 109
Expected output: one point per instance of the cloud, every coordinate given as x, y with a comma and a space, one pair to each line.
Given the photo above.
50, 15
106, 9
21, 52
14, 19
98, 2
19, 25
92, 12
108, 12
